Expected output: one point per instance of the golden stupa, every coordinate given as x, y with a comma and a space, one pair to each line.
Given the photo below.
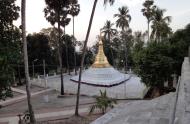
102, 76
101, 73
100, 60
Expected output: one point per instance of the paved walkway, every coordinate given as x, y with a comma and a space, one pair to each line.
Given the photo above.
18, 90
39, 116
14, 119
20, 98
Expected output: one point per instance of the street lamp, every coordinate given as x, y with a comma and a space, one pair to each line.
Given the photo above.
33, 66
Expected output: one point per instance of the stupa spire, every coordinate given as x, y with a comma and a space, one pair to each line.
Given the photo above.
100, 60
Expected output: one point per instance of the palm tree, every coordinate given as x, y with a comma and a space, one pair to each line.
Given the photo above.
123, 18
23, 22
108, 33
148, 11
160, 25
64, 23
84, 50
103, 102
74, 11
56, 12
122, 22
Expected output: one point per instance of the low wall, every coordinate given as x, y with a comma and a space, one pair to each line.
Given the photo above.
127, 90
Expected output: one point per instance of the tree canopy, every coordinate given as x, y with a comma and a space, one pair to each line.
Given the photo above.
9, 45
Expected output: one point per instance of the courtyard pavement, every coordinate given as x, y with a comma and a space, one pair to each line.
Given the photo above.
46, 103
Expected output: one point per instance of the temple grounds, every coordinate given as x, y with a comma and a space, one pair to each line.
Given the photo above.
48, 107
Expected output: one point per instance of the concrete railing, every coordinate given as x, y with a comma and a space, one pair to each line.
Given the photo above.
173, 113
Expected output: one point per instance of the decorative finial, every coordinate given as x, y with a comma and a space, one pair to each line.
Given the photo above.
100, 38
100, 60
101, 35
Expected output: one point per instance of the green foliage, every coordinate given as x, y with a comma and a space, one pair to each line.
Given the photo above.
9, 45
74, 8
148, 9
123, 18
39, 49
154, 64
56, 11
10, 54
68, 44
8, 13
103, 102
109, 33
5, 78
180, 41
160, 25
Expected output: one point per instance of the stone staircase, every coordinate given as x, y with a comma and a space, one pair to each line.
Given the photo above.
161, 110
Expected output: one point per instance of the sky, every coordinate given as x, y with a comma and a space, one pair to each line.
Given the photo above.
35, 20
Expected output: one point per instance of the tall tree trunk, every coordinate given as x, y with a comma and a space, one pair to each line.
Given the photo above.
74, 46
19, 77
111, 50
148, 31
126, 58
60, 55
83, 56
23, 22
67, 57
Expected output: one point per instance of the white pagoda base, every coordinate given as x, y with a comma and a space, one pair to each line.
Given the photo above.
102, 77
132, 88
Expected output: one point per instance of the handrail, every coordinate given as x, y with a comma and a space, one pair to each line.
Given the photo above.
173, 115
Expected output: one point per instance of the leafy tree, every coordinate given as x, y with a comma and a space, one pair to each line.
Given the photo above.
53, 34
43, 51
148, 12
138, 40
108, 33
9, 13
74, 11
127, 41
89, 57
160, 25
5, 78
65, 22
56, 12
103, 102
23, 22
84, 51
154, 65
71, 49
9, 45
180, 41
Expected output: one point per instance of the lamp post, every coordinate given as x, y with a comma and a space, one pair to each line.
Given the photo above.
33, 66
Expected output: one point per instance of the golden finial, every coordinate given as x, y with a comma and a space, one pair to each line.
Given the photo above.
100, 60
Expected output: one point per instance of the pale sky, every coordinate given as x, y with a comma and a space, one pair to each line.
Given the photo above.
35, 21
